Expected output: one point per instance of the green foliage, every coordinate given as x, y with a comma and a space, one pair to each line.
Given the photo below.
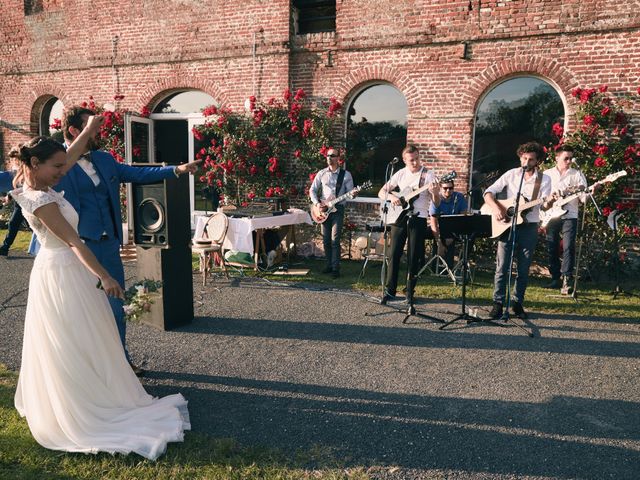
268, 152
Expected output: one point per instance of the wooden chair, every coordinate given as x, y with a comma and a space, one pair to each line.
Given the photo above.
209, 246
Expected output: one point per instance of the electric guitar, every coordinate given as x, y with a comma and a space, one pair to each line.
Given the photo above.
397, 213
557, 211
320, 216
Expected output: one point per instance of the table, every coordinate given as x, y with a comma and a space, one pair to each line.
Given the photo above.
239, 237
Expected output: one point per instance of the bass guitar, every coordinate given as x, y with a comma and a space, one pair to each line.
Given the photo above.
557, 211
320, 216
396, 214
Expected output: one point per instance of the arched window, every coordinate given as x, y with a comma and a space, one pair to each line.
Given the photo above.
376, 132
51, 114
191, 101
513, 112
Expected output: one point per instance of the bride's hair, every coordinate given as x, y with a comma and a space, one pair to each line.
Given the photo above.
42, 148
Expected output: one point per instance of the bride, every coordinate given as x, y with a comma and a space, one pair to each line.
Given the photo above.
75, 387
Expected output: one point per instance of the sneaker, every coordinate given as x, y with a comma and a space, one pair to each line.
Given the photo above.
518, 311
4, 251
554, 283
567, 285
327, 270
386, 298
335, 274
496, 311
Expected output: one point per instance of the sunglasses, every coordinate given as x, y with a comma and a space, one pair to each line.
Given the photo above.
332, 155
447, 188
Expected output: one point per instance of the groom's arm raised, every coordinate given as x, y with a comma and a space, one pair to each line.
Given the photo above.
79, 145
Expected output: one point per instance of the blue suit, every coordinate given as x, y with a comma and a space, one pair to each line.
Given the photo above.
5, 181
99, 210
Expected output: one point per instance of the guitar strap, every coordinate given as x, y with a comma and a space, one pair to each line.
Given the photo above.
339, 181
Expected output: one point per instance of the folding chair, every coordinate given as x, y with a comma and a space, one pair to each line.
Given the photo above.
209, 246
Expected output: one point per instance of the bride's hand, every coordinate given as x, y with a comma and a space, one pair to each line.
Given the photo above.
112, 288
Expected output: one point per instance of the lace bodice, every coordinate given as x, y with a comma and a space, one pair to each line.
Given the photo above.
30, 200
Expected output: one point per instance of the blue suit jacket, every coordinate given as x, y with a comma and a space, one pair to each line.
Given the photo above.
5, 181
113, 174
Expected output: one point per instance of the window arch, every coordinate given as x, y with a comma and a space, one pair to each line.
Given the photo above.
184, 101
51, 114
515, 111
376, 131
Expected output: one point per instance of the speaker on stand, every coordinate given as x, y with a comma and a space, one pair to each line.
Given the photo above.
162, 234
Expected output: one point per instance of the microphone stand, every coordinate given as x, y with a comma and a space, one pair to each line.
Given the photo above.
574, 293
383, 223
512, 242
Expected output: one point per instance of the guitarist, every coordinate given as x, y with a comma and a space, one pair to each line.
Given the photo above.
329, 183
563, 177
535, 185
413, 227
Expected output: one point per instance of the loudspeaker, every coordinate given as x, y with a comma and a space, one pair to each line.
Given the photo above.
161, 213
173, 267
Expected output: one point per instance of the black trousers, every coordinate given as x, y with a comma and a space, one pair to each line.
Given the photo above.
13, 227
414, 230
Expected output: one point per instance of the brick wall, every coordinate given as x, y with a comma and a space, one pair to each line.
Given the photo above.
74, 49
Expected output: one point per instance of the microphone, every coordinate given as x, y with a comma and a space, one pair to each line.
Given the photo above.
394, 161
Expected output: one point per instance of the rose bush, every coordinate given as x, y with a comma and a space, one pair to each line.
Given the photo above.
604, 143
270, 151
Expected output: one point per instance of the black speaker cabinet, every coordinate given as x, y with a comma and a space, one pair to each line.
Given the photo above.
172, 266
161, 213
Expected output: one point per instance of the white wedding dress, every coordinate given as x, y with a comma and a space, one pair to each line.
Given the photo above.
76, 388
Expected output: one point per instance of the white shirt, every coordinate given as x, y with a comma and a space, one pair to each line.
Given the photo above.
405, 180
570, 178
511, 180
324, 185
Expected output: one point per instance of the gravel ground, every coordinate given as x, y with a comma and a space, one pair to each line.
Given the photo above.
303, 368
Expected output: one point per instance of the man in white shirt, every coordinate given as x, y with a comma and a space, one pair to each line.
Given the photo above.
328, 184
413, 227
534, 185
566, 226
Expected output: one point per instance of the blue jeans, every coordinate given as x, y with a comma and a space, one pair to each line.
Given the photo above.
526, 239
108, 254
331, 234
566, 229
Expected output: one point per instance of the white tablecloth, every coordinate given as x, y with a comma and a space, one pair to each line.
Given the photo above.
239, 237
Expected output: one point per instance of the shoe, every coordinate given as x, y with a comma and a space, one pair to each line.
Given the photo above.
4, 251
518, 311
386, 298
335, 274
567, 285
496, 311
327, 270
554, 283
137, 370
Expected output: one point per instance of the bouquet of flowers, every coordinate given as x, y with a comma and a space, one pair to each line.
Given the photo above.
138, 298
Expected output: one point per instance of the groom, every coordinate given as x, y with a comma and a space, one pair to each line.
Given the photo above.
92, 186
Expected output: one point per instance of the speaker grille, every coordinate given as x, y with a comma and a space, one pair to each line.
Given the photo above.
151, 215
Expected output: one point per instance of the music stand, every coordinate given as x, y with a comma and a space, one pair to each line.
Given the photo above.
466, 227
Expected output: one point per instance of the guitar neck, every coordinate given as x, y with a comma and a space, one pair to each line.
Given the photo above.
416, 192
341, 197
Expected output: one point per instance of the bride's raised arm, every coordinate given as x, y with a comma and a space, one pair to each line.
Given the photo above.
79, 145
